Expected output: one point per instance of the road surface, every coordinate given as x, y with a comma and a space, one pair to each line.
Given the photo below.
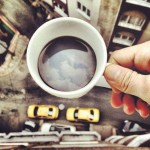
14, 108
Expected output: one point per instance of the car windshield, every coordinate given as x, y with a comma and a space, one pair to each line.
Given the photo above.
76, 114
50, 113
36, 110
91, 115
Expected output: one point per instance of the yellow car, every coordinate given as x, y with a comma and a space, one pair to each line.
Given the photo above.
43, 111
83, 114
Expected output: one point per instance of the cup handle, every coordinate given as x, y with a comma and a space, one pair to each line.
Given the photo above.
102, 82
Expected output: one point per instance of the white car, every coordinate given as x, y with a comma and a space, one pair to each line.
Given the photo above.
48, 127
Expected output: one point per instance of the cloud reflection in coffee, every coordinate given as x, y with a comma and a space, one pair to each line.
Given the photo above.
67, 63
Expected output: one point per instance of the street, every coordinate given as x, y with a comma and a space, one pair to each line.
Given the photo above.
14, 108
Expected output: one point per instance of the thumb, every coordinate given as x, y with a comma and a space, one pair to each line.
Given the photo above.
128, 81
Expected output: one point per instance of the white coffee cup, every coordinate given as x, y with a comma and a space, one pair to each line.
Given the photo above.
66, 26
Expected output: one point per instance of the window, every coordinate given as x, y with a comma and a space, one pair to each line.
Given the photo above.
67, 129
50, 113
124, 18
91, 114
83, 10
76, 114
136, 21
88, 12
79, 5
140, 22
124, 37
131, 38
35, 111
60, 7
55, 4
117, 35
131, 20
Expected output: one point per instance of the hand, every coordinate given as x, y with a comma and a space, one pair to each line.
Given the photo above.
129, 76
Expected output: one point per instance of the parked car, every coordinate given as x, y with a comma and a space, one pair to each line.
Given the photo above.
83, 114
43, 111
47, 127
130, 127
30, 126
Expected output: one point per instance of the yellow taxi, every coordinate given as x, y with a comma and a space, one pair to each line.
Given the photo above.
43, 111
83, 114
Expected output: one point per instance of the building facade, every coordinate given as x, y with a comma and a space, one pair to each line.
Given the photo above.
121, 23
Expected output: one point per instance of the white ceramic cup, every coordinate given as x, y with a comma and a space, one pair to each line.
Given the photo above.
66, 26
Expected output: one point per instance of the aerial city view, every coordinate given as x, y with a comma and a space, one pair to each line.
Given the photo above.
32, 117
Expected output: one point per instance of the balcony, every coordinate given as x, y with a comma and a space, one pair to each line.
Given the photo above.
144, 3
124, 38
123, 41
133, 20
131, 26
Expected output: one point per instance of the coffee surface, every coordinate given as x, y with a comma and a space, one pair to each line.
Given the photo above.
67, 63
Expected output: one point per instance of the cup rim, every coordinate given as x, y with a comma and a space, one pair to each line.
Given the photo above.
66, 94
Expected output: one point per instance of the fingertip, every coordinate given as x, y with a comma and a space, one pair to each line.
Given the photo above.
128, 104
144, 115
142, 108
116, 100
128, 110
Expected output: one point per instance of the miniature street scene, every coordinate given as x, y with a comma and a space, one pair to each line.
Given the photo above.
33, 118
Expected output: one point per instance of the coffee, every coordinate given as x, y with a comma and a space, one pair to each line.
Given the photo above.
67, 63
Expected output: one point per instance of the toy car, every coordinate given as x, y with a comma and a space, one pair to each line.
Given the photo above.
43, 111
83, 114
47, 127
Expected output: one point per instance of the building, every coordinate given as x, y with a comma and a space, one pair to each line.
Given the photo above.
132, 24
122, 23
85, 10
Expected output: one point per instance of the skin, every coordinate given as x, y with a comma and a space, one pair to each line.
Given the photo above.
129, 76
